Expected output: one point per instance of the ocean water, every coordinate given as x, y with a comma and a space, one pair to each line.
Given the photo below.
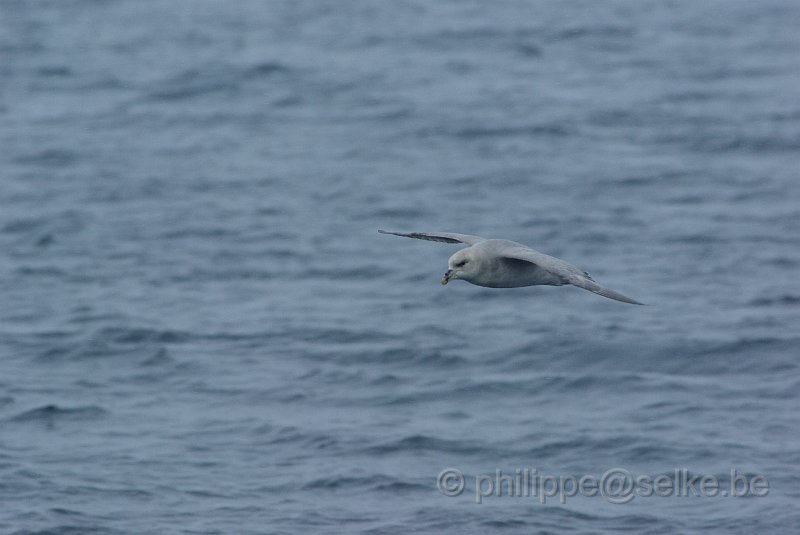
202, 332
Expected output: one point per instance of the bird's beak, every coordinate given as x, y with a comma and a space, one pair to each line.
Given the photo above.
447, 276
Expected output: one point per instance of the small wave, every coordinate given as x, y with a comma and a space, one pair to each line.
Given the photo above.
786, 299
619, 117
53, 413
66, 512
407, 212
194, 83
305, 439
55, 71
418, 443
555, 447
81, 529
382, 381
457, 37
160, 358
343, 336
45, 240
88, 350
203, 275
690, 96
548, 130
24, 225
405, 357
729, 142
190, 84
751, 345
507, 523
483, 390
40, 271
529, 50
782, 262
123, 335
582, 32
265, 69
629, 447
377, 482
199, 232
368, 272
696, 239
117, 342
687, 198
55, 158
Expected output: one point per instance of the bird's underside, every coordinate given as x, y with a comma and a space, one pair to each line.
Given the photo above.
507, 264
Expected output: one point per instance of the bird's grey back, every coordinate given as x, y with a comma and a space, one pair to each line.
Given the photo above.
518, 251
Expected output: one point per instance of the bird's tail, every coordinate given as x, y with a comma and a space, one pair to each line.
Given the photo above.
592, 286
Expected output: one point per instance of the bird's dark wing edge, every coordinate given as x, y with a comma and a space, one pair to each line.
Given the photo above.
443, 237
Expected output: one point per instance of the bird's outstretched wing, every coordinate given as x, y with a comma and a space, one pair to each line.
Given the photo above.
445, 237
582, 282
566, 272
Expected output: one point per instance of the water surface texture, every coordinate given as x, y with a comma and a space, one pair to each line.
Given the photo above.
202, 332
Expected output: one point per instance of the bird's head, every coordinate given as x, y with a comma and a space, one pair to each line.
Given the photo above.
460, 266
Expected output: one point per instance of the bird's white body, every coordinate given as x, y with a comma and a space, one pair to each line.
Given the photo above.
493, 270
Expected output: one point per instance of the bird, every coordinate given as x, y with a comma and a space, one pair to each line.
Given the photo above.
497, 263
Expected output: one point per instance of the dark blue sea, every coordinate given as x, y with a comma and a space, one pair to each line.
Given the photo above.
202, 332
